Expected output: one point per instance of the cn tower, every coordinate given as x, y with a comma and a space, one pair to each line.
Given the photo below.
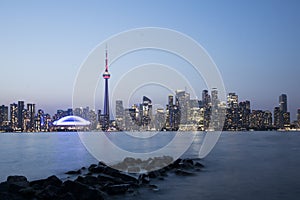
106, 76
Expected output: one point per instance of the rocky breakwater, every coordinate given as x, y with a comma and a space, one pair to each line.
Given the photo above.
99, 181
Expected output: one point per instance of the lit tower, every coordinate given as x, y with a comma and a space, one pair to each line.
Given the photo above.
106, 76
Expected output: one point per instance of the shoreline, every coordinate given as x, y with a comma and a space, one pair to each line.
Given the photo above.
99, 181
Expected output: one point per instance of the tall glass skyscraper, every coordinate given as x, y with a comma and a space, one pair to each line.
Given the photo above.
283, 103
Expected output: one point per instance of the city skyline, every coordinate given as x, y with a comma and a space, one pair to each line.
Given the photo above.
180, 112
255, 45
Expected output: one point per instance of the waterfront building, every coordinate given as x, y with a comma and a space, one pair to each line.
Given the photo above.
232, 121
298, 118
244, 114
146, 113
119, 115
20, 115
14, 116
283, 103
183, 103
30, 116
3, 116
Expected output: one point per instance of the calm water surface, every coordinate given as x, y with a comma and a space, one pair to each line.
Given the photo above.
243, 165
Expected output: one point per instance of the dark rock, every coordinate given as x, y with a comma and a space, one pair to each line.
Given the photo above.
49, 193
10, 196
15, 183
43, 183
144, 179
110, 171
163, 171
104, 179
154, 174
134, 169
116, 189
125, 177
27, 192
102, 164
3, 187
14, 179
199, 165
175, 164
72, 172
190, 161
97, 169
66, 196
92, 166
156, 163
83, 168
88, 180
81, 191
129, 161
121, 166
53, 180
183, 172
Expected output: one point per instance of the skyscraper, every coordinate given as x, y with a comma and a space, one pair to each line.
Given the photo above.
20, 115
283, 103
232, 100
3, 115
119, 114
106, 76
146, 112
183, 100
298, 117
232, 117
214, 97
31, 114
205, 98
244, 112
14, 116
277, 118
284, 114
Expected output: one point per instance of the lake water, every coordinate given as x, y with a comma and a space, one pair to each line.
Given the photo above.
243, 165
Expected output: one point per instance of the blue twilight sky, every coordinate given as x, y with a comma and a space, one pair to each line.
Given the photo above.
255, 44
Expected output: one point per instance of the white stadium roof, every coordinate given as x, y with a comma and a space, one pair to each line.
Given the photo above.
71, 121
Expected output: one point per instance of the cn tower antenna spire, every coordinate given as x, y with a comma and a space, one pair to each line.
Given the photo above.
106, 76
106, 59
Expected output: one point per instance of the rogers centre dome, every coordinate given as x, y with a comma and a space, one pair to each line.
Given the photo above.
71, 122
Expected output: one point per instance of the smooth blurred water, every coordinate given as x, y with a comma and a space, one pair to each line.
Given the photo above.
243, 165
38, 155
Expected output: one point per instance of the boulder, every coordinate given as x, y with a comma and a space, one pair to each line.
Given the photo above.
97, 169
88, 180
134, 169
43, 183
105, 179
144, 179
16, 183
27, 192
92, 166
81, 191
126, 178
73, 172
66, 196
10, 196
116, 189
49, 193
